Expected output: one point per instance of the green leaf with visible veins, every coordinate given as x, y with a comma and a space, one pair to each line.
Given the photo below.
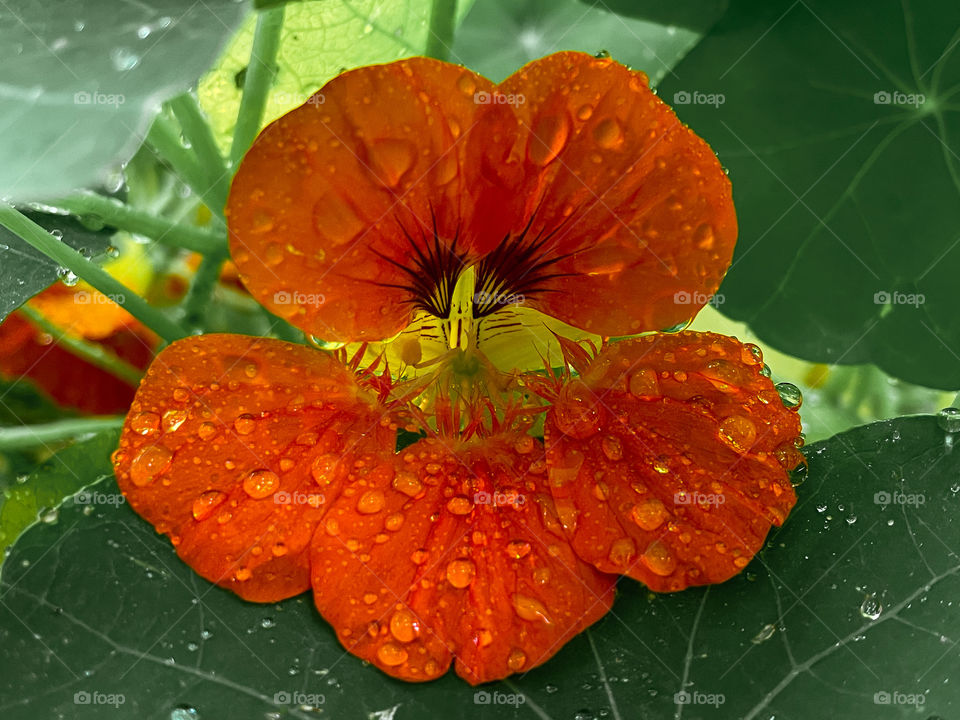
61, 475
99, 603
840, 125
319, 41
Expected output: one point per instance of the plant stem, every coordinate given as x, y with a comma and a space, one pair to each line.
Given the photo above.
164, 138
204, 282
440, 33
91, 352
256, 84
198, 133
28, 436
118, 215
66, 256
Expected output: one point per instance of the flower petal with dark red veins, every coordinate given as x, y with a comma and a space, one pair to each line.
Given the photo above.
340, 197
669, 458
570, 185
459, 555
234, 446
638, 210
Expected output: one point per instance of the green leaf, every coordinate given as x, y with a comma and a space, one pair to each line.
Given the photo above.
25, 271
320, 40
81, 84
694, 14
499, 36
64, 473
846, 184
99, 603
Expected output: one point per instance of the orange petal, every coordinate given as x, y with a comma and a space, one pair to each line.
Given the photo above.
455, 554
640, 209
26, 352
571, 184
334, 193
669, 458
234, 446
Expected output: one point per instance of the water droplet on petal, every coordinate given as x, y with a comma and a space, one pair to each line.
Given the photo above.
206, 430
145, 423
608, 133
407, 483
649, 514
206, 503
323, 468
658, 559
516, 659
460, 573
244, 424
149, 463
459, 505
173, 419
259, 484
372, 501
738, 432
577, 410
622, 551
404, 626
547, 138
644, 384
391, 654
391, 158
612, 447
518, 549
529, 608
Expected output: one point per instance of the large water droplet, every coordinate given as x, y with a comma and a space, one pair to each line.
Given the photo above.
244, 424
529, 608
649, 514
577, 410
404, 626
391, 654
547, 138
145, 423
608, 133
259, 484
738, 432
149, 463
460, 573
658, 558
871, 607
206, 503
790, 395
372, 501
644, 384
124, 59
949, 419
391, 158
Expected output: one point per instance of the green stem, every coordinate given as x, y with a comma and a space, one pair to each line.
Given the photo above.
118, 215
164, 138
440, 34
66, 256
256, 84
28, 436
202, 287
91, 352
199, 134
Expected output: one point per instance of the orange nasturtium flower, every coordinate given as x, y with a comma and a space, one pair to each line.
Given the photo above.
81, 312
405, 202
